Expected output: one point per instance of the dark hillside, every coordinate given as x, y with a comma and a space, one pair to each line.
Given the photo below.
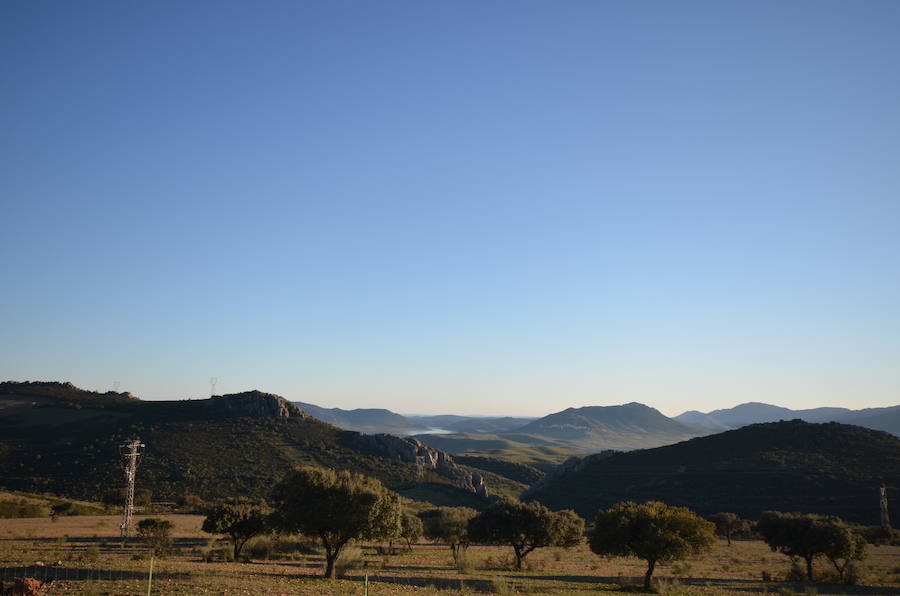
224, 446
788, 466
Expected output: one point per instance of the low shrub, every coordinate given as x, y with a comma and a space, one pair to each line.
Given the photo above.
156, 533
20, 509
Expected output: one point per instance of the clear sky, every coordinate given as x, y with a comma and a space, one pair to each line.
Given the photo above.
467, 207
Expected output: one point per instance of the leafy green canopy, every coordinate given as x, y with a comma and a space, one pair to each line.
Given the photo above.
156, 532
526, 527
240, 521
811, 536
410, 528
449, 525
652, 531
729, 525
337, 507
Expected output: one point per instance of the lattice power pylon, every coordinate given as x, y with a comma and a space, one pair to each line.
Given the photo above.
885, 518
130, 453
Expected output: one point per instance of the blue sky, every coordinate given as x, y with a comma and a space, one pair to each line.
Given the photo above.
472, 207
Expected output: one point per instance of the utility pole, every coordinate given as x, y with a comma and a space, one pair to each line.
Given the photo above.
885, 518
130, 453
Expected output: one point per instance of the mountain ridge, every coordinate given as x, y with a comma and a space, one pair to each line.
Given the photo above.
828, 468
883, 418
66, 441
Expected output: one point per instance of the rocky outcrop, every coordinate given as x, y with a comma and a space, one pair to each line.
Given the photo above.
575, 463
414, 452
255, 404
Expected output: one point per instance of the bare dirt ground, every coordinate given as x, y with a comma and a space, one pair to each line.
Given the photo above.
84, 555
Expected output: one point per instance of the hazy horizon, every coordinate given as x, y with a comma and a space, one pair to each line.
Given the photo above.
450, 411
498, 208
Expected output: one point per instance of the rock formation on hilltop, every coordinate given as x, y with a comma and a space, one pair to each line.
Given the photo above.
255, 404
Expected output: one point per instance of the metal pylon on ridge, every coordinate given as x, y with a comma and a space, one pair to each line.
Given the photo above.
130, 453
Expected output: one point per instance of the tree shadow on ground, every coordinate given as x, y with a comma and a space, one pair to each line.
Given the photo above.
64, 573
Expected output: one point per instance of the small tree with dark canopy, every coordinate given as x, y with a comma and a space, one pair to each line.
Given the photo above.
450, 525
240, 521
526, 527
809, 536
791, 534
652, 531
729, 525
840, 545
410, 528
156, 533
337, 507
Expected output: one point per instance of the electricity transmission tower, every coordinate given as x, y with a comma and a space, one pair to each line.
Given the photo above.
130, 453
212, 384
885, 519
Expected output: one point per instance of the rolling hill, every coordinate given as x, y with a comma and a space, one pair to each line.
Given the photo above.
594, 428
826, 468
57, 438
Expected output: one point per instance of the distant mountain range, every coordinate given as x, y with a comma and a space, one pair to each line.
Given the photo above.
785, 466
380, 420
365, 420
587, 429
886, 419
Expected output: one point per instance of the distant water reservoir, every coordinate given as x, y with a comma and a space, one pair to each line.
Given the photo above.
434, 431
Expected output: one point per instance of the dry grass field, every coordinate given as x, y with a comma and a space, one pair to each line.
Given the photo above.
85, 556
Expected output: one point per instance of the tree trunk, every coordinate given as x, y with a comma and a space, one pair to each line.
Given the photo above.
409, 544
648, 577
330, 558
454, 548
840, 569
809, 567
728, 538
518, 550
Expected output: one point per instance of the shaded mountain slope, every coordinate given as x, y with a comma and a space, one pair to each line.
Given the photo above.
66, 442
789, 466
